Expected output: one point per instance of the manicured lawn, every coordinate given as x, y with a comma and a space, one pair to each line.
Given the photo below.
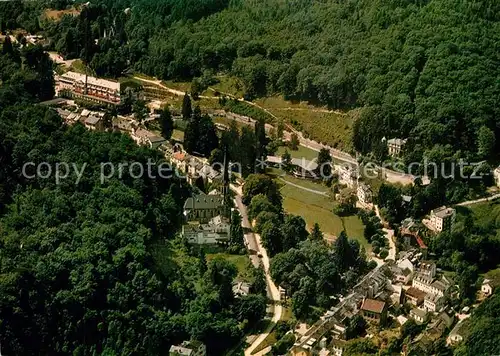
302, 152
315, 208
242, 263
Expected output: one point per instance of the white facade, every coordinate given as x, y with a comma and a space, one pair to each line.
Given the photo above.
496, 174
442, 218
487, 288
427, 268
188, 348
433, 302
395, 145
93, 88
419, 315
218, 230
364, 193
427, 285
347, 176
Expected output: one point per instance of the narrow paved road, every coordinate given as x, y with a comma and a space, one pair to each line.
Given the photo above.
254, 245
482, 200
389, 234
389, 175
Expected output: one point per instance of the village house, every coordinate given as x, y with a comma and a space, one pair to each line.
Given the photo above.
241, 289
402, 275
179, 160
302, 168
188, 348
347, 175
433, 302
496, 175
147, 138
364, 193
374, 310
76, 85
93, 122
457, 335
427, 269
395, 146
442, 218
203, 207
415, 296
419, 315
488, 287
397, 295
216, 231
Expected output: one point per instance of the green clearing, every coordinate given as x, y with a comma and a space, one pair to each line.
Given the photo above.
182, 86
78, 66
302, 152
318, 123
228, 85
178, 135
280, 174
242, 263
486, 214
315, 208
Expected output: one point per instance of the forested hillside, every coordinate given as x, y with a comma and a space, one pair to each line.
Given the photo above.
423, 68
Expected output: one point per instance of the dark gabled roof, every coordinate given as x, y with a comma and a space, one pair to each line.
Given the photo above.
202, 202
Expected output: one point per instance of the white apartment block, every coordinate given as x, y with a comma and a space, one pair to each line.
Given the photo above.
442, 218
364, 193
433, 302
428, 285
347, 175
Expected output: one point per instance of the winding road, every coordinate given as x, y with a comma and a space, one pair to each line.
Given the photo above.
254, 245
390, 176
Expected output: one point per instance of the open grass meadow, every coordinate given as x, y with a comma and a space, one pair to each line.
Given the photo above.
242, 263
318, 123
302, 152
315, 208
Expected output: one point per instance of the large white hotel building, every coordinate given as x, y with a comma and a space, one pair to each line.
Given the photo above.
77, 85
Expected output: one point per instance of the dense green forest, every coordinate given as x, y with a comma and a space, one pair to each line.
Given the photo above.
77, 272
481, 337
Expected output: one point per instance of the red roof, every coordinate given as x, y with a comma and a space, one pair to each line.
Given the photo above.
420, 242
375, 306
179, 156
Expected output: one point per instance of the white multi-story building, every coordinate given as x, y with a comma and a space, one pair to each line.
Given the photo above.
347, 175
428, 285
86, 87
433, 302
395, 145
442, 218
216, 231
364, 193
427, 268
